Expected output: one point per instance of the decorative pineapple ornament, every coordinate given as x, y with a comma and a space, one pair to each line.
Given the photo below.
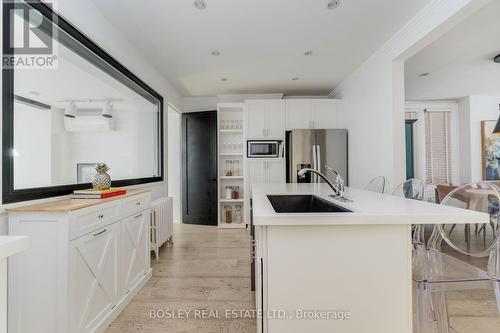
102, 180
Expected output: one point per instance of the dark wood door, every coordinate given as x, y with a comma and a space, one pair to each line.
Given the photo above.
199, 165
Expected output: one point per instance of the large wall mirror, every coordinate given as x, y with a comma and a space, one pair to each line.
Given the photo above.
59, 122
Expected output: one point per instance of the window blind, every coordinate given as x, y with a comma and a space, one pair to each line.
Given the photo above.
437, 147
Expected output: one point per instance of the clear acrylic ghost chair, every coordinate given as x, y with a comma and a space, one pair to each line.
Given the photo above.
377, 184
437, 272
413, 189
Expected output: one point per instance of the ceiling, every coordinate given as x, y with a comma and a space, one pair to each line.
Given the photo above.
461, 62
261, 42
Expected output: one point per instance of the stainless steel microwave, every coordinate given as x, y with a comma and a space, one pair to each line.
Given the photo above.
264, 148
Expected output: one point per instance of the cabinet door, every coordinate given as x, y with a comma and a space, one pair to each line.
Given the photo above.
134, 241
259, 276
94, 272
256, 119
256, 172
298, 114
275, 171
276, 119
325, 116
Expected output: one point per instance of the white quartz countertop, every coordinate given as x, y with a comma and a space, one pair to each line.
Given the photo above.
368, 208
10, 245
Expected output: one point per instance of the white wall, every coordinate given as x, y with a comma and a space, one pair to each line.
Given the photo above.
85, 16
198, 104
473, 110
373, 106
464, 139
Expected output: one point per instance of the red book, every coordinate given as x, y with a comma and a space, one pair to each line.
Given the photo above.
90, 194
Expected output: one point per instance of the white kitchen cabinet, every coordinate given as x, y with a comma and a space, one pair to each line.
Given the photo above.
276, 119
87, 259
94, 275
256, 119
265, 171
262, 171
256, 172
265, 119
325, 114
298, 114
275, 170
311, 114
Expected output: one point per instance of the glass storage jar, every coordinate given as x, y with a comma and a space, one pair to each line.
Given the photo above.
235, 192
237, 214
229, 168
236, 168
228, 214
229, 192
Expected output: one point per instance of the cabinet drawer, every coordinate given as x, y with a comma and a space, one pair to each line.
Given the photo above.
135, 204
92, 219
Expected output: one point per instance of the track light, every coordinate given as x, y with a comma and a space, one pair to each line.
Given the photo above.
70, 111
107, 111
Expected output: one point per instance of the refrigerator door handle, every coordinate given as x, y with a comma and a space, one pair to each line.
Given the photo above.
315, 163
318, 156
314, 159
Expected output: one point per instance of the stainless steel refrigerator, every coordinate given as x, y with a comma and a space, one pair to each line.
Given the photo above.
315, 149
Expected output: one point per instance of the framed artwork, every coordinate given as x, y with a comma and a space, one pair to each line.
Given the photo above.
490, 148
85, 172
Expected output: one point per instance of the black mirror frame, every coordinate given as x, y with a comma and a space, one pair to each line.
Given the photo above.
9, 194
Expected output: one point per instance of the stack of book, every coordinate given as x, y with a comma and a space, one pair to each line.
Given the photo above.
97, 194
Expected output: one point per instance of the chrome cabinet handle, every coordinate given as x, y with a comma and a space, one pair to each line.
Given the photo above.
138, 215
100, 216
99, 233
137, 203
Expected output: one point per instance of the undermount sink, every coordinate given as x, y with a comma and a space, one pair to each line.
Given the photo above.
304, 204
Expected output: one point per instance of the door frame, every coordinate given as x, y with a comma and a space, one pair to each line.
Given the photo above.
167, 145
186, 115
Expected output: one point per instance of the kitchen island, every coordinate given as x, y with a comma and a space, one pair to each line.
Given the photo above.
345, 271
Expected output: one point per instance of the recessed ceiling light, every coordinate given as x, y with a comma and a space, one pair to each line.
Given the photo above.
425, 74
332, 4
295, 78
200, 4
308, 52
215, 53
223, 79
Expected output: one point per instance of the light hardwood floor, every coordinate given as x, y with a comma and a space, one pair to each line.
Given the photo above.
205, 269
208, 268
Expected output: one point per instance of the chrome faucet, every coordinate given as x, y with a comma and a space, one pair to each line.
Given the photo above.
339, 180
338, 188
335, 188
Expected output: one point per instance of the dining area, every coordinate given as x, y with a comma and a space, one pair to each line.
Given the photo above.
455, 266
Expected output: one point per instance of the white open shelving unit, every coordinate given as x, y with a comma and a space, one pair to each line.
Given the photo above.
231, 141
